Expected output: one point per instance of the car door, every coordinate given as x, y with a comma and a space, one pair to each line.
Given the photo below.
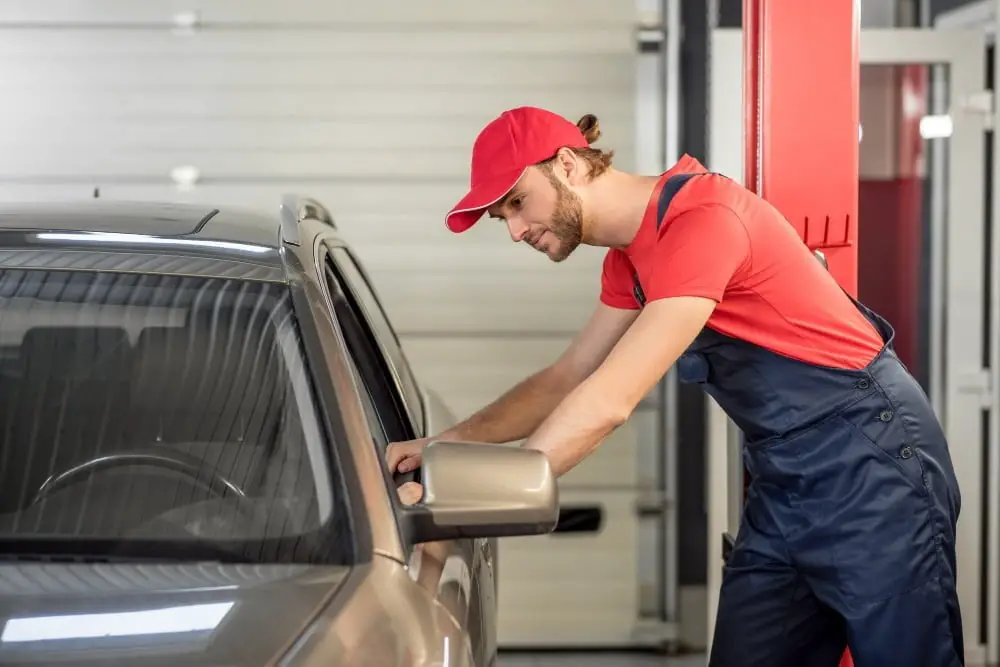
447, 570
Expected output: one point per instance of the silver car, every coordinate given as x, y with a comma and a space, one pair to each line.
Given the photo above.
194, 409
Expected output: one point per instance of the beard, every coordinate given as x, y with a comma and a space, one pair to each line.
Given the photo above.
567, 221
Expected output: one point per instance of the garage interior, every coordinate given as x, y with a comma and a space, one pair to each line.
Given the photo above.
372, 107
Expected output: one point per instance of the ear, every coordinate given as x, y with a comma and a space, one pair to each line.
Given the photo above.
569, 166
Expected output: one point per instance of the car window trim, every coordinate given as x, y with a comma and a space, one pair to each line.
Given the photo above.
416, 411
383, 380
416, 414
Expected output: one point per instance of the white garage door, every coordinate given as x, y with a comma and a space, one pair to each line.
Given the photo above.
370, 106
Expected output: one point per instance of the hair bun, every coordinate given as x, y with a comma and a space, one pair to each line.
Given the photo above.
590, 127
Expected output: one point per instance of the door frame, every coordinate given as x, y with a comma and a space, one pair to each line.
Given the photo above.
982, 16
959, 387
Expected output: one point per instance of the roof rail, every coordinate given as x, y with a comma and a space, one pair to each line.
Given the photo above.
295, 209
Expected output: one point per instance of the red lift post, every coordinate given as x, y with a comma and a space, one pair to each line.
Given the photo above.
801, 115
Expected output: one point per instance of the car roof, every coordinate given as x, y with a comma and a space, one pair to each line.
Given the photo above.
164, 220
230, 235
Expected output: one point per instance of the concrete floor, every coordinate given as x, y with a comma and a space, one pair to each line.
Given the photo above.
598, 659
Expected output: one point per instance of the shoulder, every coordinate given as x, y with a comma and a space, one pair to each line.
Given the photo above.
708, 206
707, 191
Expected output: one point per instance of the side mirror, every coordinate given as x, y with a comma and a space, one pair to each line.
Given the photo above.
479, 490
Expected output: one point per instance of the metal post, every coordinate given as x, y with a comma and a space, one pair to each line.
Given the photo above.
657, 141
992, 582
670, 552
801, 115
790, 48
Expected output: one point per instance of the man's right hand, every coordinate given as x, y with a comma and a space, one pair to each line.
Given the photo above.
405, 456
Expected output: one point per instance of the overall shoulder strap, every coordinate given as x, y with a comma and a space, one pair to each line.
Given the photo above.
670, 190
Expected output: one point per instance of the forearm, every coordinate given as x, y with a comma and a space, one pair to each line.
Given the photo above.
518, 412
577, 427
606, 399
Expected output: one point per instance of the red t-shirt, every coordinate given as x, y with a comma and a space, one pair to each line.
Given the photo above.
722, 242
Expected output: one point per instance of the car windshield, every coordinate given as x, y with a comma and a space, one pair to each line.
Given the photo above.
160, 417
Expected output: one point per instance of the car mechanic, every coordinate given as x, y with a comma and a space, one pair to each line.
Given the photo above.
848, 531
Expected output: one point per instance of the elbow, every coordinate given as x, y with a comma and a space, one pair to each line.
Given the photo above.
616, 417
608, 411
612, 413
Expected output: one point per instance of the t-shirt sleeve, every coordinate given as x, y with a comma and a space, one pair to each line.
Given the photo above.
699, 253
617, 281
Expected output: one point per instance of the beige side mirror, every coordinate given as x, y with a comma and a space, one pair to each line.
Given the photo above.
479, 490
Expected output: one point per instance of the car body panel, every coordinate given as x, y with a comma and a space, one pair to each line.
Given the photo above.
158, 614
465, 584
383, 620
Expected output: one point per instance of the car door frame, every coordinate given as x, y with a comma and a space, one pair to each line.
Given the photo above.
380, 384
465, 555
410, 398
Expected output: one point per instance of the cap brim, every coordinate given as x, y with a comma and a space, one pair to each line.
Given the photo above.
469, 210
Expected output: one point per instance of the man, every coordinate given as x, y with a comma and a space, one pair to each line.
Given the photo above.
848, 532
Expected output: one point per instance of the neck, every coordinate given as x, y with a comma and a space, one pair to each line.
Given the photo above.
617, 203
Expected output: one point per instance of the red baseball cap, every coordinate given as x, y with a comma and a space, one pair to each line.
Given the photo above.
504, 149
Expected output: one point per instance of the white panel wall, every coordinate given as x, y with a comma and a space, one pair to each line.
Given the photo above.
372, 107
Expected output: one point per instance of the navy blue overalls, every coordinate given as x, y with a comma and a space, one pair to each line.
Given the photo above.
848, 530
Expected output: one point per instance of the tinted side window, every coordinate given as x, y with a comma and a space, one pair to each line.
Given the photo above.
370, 363
383, 332
375, 424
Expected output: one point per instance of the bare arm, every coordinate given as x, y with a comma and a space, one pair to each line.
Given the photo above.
607, 397
519, 411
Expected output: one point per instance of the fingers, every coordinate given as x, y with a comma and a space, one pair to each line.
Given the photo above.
403, 456
410, 493
411, 462
394, 455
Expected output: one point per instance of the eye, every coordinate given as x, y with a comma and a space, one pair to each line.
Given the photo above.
517, 202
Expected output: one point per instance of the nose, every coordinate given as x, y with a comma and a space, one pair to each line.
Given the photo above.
517, 229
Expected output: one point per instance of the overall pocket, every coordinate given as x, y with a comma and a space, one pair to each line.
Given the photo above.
892, 448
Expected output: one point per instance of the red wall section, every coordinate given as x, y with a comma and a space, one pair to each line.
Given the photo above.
890, 205
889, 250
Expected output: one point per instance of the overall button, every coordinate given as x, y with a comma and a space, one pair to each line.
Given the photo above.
885, 415
863, 383
905, 452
